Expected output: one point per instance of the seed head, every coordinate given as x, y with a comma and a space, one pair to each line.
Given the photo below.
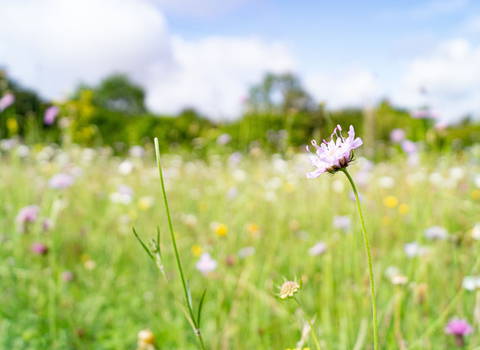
288, 289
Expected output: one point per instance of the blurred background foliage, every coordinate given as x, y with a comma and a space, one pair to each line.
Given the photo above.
279, 115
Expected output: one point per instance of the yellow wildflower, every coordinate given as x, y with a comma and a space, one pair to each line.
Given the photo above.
289, 187
386, 221
12, 125
475, 194
403, 208
253, 229
196, 251
390, 201
221, 230
145, 203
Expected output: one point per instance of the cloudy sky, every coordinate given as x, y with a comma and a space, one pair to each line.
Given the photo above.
207, 53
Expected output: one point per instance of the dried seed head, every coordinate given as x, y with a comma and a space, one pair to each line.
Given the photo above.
288, 289
146, 339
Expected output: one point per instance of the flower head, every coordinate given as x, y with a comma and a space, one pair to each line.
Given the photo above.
6, 101
206, 264
288, 289
146, 339
458, 327
342, 222
28, 214
50, 115
318, 249
414, 249
435, 232
397, 135
61, 181
39, 248
67, 276
334, 155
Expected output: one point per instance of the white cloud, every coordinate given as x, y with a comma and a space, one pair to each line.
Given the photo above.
52, 45
214, 74
353, 87
451, 75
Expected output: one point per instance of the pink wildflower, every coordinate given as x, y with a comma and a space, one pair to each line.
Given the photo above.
39, 249
28, 214
206, 264
50, 115
61, 181
6, 101
459, 328
397, 135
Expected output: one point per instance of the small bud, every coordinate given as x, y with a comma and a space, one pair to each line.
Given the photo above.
146, 339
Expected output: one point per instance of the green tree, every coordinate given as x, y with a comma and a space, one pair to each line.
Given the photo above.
278, 93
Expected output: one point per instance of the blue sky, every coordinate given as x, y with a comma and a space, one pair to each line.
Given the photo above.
207, 53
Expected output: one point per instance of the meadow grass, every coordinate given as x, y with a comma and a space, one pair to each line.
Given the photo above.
117, 290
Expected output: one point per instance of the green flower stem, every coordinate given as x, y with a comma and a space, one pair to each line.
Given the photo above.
177, 256
369, 256
310, 323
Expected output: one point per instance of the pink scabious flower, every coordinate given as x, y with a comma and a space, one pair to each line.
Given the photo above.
27, 214
39, 249
6, 101
409, 147
50, 115
61, 181
318, 249
342, 222
334, 155
435, 232
397, 135
459, 328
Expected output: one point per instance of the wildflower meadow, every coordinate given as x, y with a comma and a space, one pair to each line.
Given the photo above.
251, 232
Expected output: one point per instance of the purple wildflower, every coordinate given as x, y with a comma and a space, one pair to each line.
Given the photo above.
397, 135
47, 224
50, 115
6, 101
28, 214
318, 249
39, 248
459, 328
334, 155
341, 222
61, 181
67, 276
435, 232
223, 139
409, 147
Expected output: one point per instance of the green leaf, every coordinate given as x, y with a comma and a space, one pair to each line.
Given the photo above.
143, 245
189, 293
200, 307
